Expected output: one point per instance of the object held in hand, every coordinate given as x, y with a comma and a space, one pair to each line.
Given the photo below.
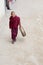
22, 31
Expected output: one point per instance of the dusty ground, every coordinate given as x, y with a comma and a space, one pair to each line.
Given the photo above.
28, 50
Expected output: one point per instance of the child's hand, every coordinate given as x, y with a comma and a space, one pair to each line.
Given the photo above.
19, 26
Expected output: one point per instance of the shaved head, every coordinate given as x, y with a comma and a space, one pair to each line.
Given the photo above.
12, 13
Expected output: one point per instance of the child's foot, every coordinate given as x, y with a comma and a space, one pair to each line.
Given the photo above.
13, 41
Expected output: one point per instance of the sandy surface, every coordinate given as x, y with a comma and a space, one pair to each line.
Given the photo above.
28, 50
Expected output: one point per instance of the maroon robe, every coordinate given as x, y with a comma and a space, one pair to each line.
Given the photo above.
13, 25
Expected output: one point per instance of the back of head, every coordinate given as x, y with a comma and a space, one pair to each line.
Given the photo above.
12, 13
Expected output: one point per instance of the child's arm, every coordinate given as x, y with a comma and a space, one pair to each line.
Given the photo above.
19, 23
9, 23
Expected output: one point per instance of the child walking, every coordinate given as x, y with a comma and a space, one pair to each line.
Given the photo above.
13, 25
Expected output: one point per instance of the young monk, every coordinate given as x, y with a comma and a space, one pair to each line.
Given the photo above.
13, 25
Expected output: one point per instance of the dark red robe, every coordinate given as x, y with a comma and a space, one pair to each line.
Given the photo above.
13, 25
